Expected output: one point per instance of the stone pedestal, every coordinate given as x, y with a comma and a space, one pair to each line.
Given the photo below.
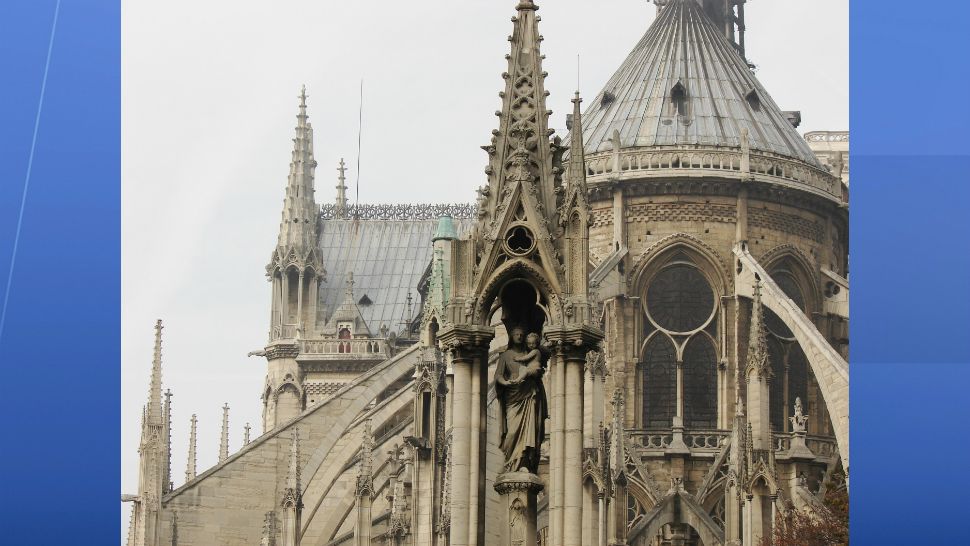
798, 451
518, 491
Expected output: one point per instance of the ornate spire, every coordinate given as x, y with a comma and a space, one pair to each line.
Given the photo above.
154, 410
190, 464
758, 341
520, 152
224, 437
292, 496
341, 209
365, 477
298, 226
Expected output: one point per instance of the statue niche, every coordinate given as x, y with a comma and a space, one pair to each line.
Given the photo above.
518, 378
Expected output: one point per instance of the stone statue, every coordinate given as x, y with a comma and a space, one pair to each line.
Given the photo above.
799, 419
518, 382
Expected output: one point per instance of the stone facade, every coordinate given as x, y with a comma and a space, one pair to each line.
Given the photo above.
689, 282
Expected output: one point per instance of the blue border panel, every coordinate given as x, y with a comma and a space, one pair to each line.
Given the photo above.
60, 346
910, 274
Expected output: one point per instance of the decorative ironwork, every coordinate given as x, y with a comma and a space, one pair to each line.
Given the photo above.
421, 211
680, 299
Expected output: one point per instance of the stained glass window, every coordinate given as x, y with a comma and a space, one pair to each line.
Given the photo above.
659, 382
700, 383
680, 299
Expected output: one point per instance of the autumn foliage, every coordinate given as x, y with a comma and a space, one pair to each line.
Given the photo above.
825, 527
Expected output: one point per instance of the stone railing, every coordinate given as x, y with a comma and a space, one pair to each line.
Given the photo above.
711, 440
366, 347
660, 163
696, 440
827, 136
651, 439
286, 331
824, 447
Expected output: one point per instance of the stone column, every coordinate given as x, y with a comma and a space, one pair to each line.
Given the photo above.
461, 449
573, 456
299, 305
284, 302
518, 491
557, 450
467, 345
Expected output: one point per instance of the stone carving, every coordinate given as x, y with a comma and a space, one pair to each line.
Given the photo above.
518, 380
799, 419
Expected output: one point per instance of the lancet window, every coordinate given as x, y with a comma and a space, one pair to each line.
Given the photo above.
789, 366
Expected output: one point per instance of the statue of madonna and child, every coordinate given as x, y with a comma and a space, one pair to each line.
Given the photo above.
518, 383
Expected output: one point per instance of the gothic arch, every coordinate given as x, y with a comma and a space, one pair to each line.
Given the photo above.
518, 270
805, 269
707, 260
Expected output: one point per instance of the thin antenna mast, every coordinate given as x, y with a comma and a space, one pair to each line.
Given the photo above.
360, 130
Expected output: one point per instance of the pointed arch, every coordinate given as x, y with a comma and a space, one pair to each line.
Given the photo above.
706, 258
523, 270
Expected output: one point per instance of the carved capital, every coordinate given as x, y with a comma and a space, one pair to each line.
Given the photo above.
466, 341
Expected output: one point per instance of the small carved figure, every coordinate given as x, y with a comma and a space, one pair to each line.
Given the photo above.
799, 419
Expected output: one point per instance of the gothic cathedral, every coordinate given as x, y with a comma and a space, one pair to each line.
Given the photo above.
637, 336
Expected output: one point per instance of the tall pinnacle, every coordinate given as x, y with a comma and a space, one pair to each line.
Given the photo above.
190, 464
342, 190
154, 410
520, 153
365, 478
224, 436
298, 226
577, 156
293, 473
758, 341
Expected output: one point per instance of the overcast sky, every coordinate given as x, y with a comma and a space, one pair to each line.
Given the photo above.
209, 95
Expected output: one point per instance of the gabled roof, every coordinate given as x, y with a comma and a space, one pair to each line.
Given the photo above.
684, 52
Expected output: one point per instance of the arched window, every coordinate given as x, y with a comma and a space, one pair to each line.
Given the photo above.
700, 383
659, 382
681, 308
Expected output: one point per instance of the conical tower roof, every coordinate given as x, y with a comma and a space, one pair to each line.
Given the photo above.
685, 84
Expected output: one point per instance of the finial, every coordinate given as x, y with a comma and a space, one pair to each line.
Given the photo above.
526, 5
224, 437
246, 430
190, 464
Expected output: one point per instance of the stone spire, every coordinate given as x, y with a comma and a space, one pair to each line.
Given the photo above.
246, 431
224, 436
342, 190
758, 341
577, 156
154, 410
525, 166
299, 222
293, 485
292, 502
190, 464
758, 374
365, 478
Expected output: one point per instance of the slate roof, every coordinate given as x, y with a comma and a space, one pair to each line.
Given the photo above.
387, 257
683, 46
